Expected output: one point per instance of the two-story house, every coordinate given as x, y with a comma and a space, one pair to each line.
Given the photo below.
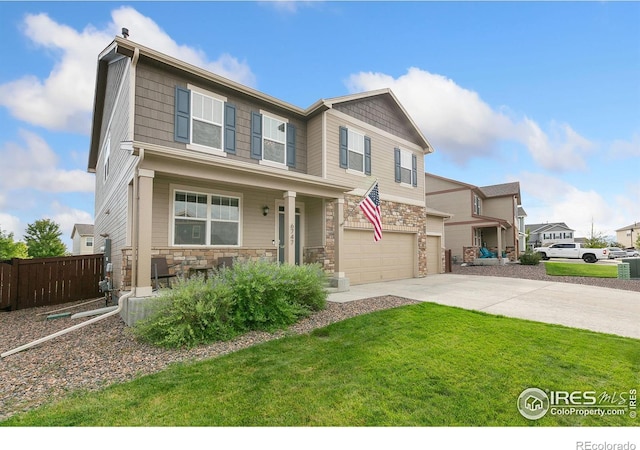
487, 216
194, 167
82, 239
544, 234
628, 235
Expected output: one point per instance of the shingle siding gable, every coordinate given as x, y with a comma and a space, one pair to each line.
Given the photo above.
381, 112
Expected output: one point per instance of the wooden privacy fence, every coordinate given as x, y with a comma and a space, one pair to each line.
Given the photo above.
27, 283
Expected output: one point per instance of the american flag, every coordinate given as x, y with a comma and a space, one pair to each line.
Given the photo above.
370, 206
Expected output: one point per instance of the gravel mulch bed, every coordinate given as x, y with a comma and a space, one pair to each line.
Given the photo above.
538, 273
106, 352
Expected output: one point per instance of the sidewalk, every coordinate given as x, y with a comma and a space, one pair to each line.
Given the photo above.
593, 308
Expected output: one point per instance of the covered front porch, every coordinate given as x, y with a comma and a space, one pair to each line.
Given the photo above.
196, 214
494, 238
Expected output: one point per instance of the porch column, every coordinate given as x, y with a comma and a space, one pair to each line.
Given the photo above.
143, 253
499, 233
289, 227
338, 233
339, 280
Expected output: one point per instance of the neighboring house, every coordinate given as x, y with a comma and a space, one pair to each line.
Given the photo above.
627, 236
194, 167
487, 216
82, 238
545, 234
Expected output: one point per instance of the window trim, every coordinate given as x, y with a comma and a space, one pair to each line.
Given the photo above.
361, 138
409, 155
106, 162
200, 147
173, 188
268, 162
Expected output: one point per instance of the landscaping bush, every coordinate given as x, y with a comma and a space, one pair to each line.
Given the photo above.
529, 258
247, 296
194, 311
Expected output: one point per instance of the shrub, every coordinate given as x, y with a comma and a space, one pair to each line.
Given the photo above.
194, 311
529, 258
247, 296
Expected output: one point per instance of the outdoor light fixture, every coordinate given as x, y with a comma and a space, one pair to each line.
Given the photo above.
265, 210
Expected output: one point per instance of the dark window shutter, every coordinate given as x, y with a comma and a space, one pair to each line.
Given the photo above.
367, 155
229, 128
183, 115
414, 169
344, 154
291, 145
398, 167
256, 135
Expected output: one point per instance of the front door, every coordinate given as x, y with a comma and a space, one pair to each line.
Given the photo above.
281, 235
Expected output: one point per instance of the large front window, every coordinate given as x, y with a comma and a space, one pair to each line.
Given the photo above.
205, 219
274, 139
207, 113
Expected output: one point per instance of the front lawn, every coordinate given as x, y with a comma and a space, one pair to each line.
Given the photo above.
417, 365
581, 270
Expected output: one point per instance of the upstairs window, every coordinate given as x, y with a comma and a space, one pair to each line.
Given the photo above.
477, 204
406, 164
274, 139
206, 120
107, 157
355, 151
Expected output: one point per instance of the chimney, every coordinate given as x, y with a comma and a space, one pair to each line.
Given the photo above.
125, 33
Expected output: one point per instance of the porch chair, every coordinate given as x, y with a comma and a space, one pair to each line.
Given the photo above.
485, 253
160, 271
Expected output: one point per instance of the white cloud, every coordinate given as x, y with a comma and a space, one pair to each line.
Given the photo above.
458, 121
12, 224
64, 99
33, 165
66, 217
627, 149
550, 199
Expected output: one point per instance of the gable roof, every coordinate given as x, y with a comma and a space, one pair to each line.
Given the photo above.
501, 190
82, 229
634, 226
121, 47
542, 227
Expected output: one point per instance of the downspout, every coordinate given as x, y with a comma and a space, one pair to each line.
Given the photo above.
121, 302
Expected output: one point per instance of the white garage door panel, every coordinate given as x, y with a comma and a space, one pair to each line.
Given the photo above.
366, 261
433, 255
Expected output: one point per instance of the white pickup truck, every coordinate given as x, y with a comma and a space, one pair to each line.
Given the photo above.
573, 251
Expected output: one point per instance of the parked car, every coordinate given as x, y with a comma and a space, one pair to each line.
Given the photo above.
632, 252
574, 251
616, 252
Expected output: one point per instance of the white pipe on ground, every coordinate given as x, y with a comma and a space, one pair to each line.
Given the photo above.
121, 301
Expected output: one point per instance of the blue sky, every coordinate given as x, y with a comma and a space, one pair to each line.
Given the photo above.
544, 93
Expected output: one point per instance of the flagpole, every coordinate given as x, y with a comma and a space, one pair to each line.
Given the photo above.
356, 205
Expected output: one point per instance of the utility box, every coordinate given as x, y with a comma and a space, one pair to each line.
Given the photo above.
634, 266
623, 271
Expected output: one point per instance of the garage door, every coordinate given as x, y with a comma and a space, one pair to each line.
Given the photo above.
366, 261
433, 255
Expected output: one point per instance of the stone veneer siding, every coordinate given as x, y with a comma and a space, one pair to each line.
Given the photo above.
180, 260
399, 217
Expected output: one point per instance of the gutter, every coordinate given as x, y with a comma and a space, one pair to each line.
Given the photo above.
121, 302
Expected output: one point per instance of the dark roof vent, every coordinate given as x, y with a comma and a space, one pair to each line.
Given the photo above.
125, 33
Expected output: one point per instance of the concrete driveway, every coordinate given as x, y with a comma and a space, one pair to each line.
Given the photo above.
593, 308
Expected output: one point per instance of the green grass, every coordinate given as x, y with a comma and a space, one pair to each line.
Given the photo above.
418, 365
581, 270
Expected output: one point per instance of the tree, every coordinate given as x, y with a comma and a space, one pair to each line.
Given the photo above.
596, 239
43, 239
9, 248
638, 241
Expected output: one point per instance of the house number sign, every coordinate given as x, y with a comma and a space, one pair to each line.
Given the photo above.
292, 236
